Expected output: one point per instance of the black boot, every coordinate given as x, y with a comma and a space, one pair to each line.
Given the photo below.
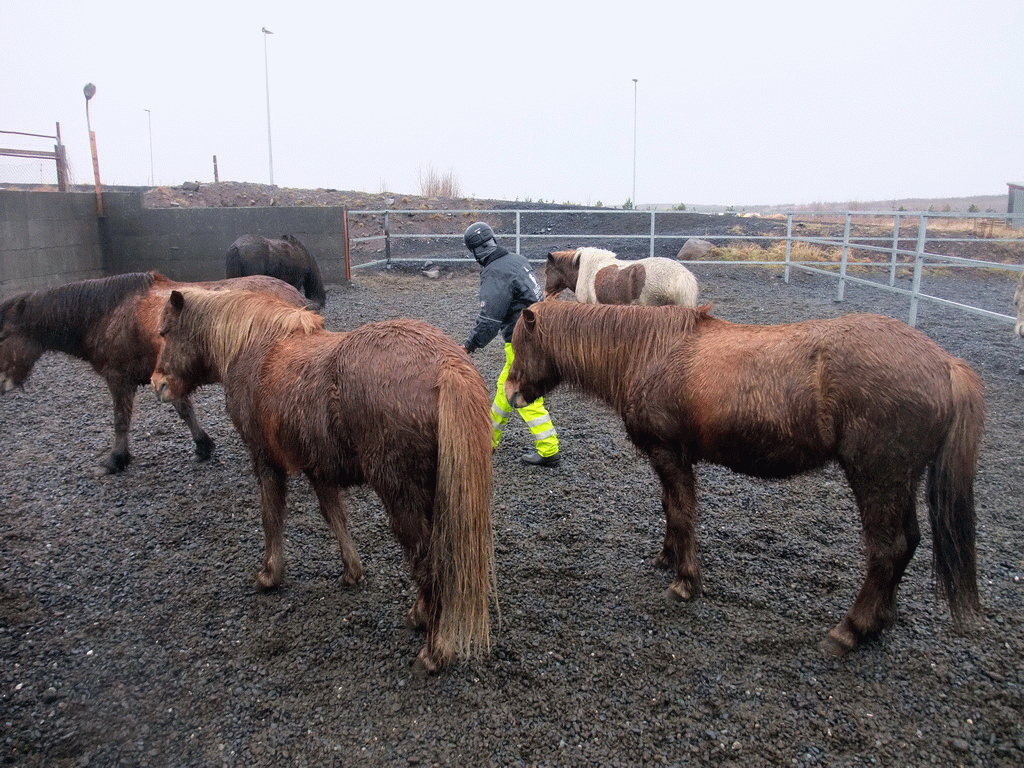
541, 461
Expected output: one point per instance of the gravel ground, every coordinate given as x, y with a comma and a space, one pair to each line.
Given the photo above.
131, 632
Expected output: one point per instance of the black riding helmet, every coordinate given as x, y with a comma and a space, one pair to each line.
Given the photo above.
478, 234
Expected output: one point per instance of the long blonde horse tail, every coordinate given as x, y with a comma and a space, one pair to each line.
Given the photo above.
950, 495
462, 544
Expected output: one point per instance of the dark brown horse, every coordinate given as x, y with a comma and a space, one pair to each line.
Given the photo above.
878, 397
285, 258
110, 323
396, 405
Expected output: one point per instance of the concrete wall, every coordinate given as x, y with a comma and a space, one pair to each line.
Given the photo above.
52, 238
190, 243
47, 239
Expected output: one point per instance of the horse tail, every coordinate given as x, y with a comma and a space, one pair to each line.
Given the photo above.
314, 284
462, 545
950, 494
233, 263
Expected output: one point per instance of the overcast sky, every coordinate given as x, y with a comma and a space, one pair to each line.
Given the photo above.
736, 103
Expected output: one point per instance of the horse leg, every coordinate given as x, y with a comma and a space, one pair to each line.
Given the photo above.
891, 535
679, 502
273, 507
204, 443
409, 523
332, 507
123, 395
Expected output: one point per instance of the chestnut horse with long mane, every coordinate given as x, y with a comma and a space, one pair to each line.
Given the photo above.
110, 323
878, 397
597, 276
396, 405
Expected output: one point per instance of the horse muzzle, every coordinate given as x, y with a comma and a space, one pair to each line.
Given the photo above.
513, 397
7, 384
162, 388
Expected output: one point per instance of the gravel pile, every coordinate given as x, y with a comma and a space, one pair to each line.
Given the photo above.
131, 632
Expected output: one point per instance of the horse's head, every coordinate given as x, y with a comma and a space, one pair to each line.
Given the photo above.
560, 272
532, 373
18, 349
180, 367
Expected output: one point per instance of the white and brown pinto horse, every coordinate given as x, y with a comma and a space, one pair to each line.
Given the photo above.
597, 276
870, 393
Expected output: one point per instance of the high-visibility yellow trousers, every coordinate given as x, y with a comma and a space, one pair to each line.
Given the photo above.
535, 415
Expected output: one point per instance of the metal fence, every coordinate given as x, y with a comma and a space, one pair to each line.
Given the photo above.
57, 158
860, 254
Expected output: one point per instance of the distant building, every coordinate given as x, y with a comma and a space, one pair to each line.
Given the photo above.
1015, 205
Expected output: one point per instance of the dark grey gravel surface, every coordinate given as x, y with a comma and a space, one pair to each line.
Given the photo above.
131, 632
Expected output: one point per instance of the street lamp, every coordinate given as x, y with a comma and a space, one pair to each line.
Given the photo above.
90, 90
266, 67
634, 144
152, 176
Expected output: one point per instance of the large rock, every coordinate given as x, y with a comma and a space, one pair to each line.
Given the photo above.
694, 248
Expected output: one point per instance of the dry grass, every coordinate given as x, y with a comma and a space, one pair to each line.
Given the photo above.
743, 250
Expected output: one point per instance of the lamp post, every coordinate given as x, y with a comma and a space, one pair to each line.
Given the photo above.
266, 67
634, 144
90, 90
152, 176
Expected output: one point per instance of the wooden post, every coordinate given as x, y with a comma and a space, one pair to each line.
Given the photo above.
216, 178
96, 173
61, 156
348, 266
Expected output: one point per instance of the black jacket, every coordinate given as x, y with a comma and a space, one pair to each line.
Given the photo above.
508, 285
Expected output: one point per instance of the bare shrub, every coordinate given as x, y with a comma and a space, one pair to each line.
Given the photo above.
435, 184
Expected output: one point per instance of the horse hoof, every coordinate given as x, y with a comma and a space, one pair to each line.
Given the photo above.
204, 449
424, 666
266, 583
349, 579
677, 593
835, 644
112, 465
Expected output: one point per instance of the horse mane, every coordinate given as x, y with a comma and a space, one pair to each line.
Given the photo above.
60, 317
227, 322
595, 254
597, 344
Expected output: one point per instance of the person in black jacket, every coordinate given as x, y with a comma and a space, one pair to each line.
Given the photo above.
508, 285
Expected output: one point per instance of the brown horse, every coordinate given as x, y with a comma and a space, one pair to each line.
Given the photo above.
396, 405
110, 323
285, 258
878, 397
598, 277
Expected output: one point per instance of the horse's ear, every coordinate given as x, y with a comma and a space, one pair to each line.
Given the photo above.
177, 300
529, 319
576, 258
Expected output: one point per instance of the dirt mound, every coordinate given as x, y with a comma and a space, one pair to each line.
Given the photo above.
238, 194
